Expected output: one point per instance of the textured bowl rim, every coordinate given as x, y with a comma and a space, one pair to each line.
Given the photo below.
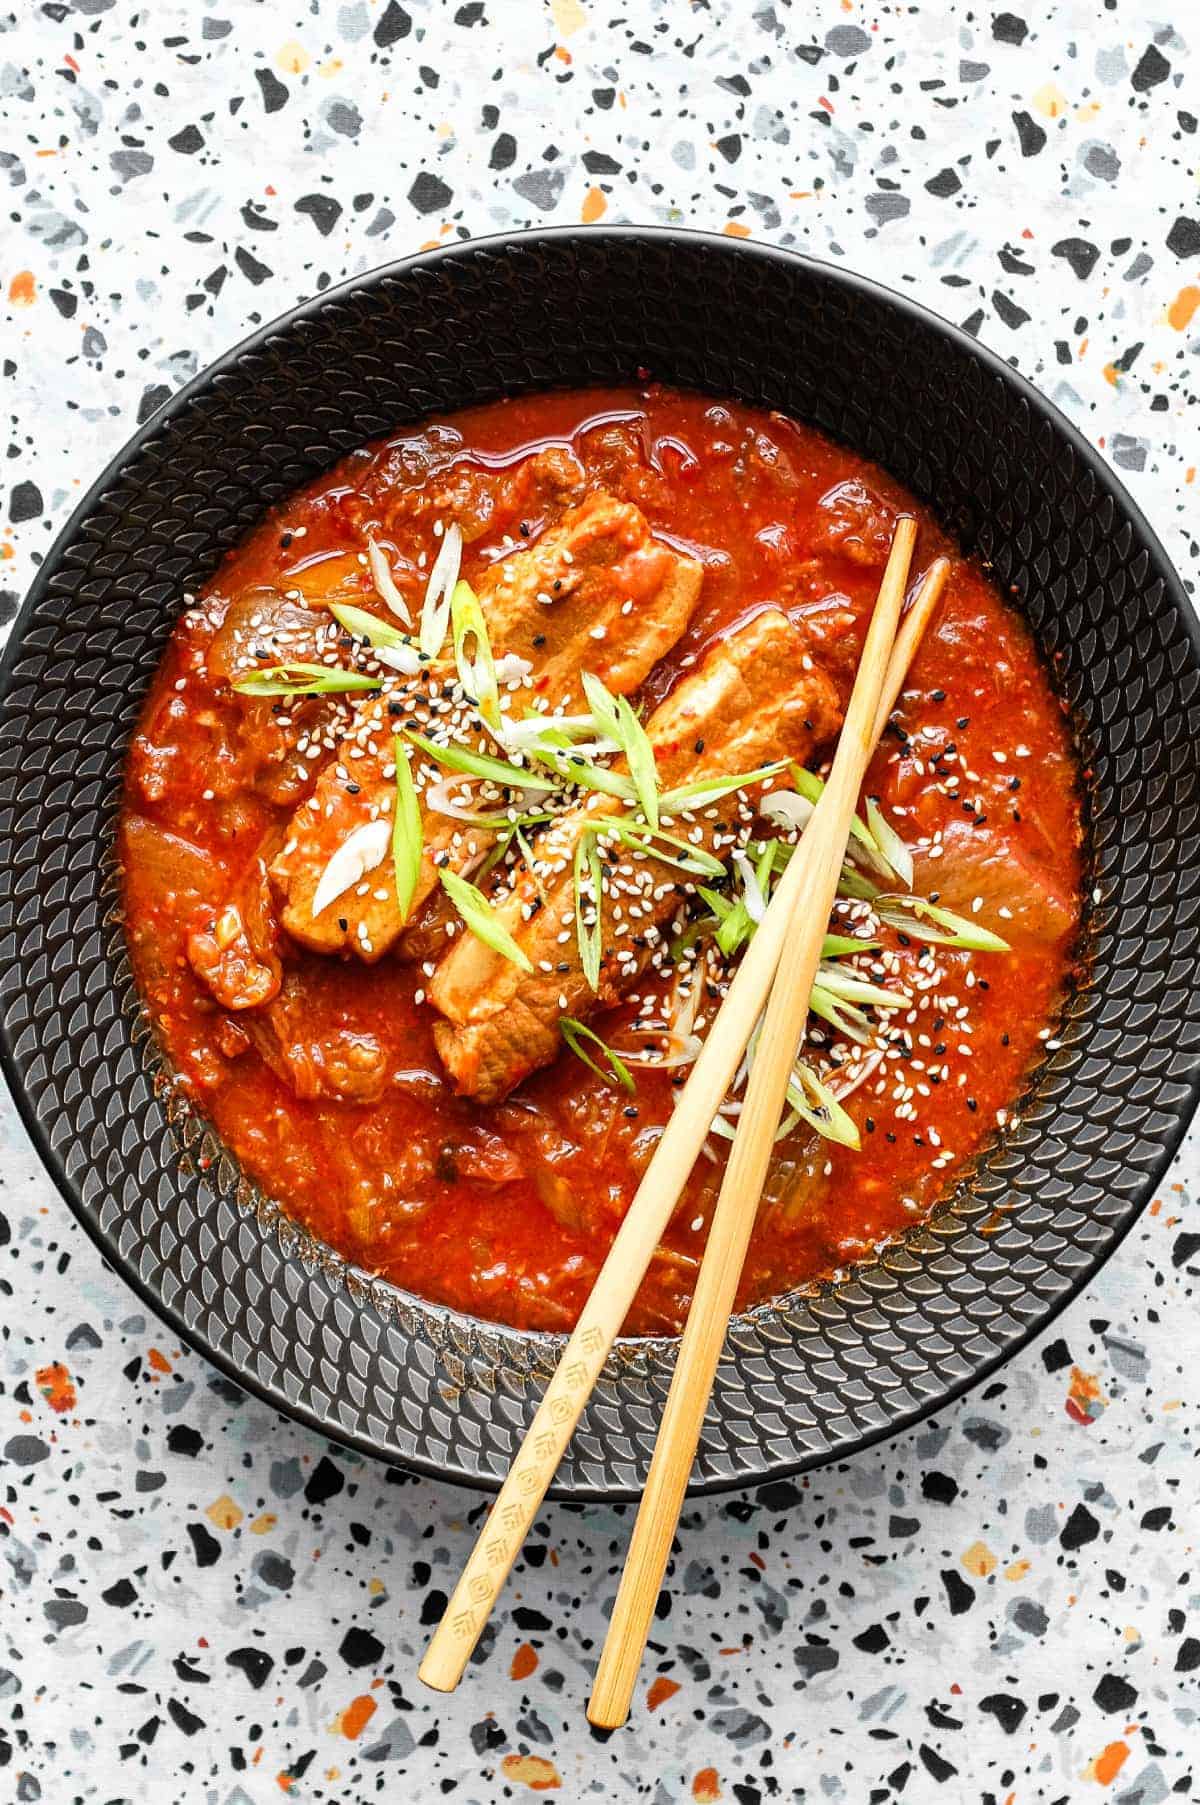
1021, 388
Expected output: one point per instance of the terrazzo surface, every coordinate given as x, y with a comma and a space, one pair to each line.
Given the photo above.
201, 1602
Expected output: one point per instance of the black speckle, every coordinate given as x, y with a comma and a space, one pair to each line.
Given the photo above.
940, 1487
1158, 1518
1080, 1527
185, 1720
813, 1658
25, 502
730, 146
778, 1494
1188, 1657
255, 1663
325, 1482
65, 301
531, 1621
873, 1640
1012, 315
1115, 1694
121, 1594
1009, 29
82, 1336
432, 1607
1152, 68
360, 1648
959, 1594
152, 399
1079, 254
322, 209
183, 1440
1186, 1248
936, 1765
1029, 133
429, 194
188, 141
504, 152
598, 162
943, 184
1184, 237
206, 1547
1007, 1710
1056, 1356
251, 268
394, 25
274, 94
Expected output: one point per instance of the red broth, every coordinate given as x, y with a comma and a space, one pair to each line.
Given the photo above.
507, 1211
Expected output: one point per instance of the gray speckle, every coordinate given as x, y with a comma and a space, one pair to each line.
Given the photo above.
1102, 161
847, 40
343, 117
542, 188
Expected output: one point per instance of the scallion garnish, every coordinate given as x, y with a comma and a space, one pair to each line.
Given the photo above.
813, 1102
482, 919
574, 1033
928, 921
617, 721
590, 935
406, 831
641, 838
385, 583
479, 764
299, 679
711, 789
435, 610
365, 625
571, 767
895, 853
473, 652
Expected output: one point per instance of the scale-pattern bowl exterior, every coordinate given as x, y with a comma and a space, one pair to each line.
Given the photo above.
801, 1382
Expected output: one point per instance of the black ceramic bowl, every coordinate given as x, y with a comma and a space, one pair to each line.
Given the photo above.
802, 1381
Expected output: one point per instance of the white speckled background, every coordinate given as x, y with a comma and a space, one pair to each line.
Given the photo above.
203, 1603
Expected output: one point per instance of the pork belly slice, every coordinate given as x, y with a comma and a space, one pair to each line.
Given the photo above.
617, 601
751, 701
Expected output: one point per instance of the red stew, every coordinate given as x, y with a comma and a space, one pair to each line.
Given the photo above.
506, 1210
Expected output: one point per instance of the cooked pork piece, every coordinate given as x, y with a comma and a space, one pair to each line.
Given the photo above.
755, 698
596, 592
235, 951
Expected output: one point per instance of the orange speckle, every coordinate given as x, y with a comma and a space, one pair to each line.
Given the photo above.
1016, 1570
661, 1689
56, 1386
735, 229
595, 206
1180, 312
524, 1662
532, 1771
1107, 1764
562, 54
285, 1782
979, 1560
71, 63
223, 1513
22, 291
158, 1361
1112, 375
6, 551
264, 1521
756, 1560
357, 1715
706, 1787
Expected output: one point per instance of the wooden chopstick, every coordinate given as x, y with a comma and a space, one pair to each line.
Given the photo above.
590, 1343
820, 856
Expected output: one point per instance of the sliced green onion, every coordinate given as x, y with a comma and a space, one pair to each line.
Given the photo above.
844, 946
406, 831
385, 583
617, 721
927, 921
479, 764
895, 852
857, 990
847, 1018
365, 625
639, 838
855, 886
711, 789
573, 769
435, 609
816, 1104
482, 919
574, 1033
590, 938
297, 679
812, 788
473, 652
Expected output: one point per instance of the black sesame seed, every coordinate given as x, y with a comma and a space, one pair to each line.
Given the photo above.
285, 539
395, 708
972, 1105
938, 695
343, 924
699, 746
630, 1112
354, 789
964, 720
539, 639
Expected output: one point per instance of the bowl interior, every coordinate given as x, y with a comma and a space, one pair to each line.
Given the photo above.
803, 1381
